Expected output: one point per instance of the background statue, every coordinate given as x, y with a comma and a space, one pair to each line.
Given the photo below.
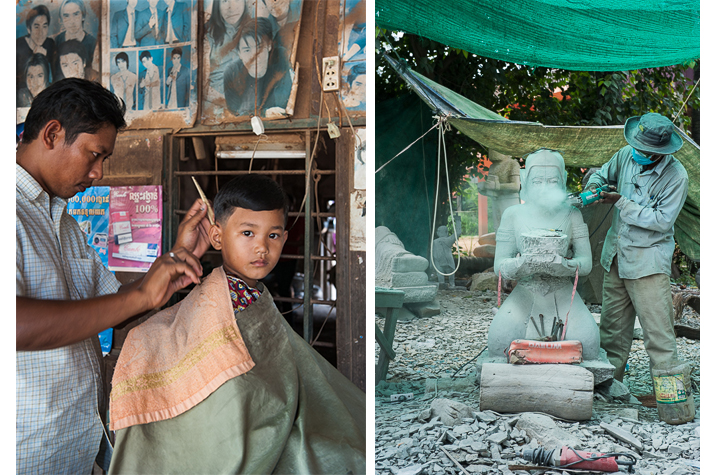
442, 258
502, 185
542, 244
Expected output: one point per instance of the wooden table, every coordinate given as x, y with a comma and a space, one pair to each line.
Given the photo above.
387, 304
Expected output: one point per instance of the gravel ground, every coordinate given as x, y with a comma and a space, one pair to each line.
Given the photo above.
444, 345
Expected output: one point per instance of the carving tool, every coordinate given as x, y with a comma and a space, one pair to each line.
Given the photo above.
210, 212
587, 197
566, 457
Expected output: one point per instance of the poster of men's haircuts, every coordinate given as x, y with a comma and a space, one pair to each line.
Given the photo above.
352, 52
56, 39
150, 60
249, 66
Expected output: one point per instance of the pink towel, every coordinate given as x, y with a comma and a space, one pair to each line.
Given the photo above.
178, 357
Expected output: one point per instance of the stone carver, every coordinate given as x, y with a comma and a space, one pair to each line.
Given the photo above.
542, 244
652, 187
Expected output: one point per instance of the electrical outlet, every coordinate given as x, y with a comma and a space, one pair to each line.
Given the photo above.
331, 73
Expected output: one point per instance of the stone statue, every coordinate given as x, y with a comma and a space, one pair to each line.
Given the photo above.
397, 268
502, 185
442, 258
542, 244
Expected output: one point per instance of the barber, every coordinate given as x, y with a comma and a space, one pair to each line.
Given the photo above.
652, 186
64, 294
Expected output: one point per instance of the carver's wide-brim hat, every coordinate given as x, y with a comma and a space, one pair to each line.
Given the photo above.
652, 133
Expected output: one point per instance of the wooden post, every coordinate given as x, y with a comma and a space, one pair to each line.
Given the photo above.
350, 270
482, 214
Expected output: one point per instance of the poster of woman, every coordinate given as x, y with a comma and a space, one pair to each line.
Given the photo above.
249, 46
352, 50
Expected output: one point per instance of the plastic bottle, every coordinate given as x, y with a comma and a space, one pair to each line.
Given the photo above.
674, 397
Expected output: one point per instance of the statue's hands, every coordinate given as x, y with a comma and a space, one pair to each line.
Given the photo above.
516, 267
560, 266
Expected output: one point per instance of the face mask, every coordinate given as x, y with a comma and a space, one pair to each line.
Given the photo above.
639, 158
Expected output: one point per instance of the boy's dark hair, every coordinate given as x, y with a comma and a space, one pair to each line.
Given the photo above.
81, 106
176, 50
144, 54
252, 192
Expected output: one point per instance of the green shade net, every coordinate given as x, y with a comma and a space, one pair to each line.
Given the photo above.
404, 189
580, 146
580, 35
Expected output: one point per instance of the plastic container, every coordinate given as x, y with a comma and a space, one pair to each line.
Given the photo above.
674, 397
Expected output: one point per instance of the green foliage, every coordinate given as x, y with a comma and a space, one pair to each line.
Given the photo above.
527, 94
686, 266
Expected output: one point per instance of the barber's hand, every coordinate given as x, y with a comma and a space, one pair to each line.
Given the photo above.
168, 274
192, 231
609, 197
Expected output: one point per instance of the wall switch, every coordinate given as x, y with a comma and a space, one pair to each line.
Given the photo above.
331, 73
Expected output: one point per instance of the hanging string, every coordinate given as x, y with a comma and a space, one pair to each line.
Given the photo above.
254, 152
686, 100
407, 147
443, 126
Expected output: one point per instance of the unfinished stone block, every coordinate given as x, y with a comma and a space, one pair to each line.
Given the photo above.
484, 281
425, 309
409, 279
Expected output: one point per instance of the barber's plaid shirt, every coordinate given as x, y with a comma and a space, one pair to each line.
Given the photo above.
59, 391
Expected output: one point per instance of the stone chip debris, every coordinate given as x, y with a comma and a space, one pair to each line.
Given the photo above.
445, 412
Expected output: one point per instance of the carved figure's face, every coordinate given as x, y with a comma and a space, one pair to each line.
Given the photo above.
122, 66
176, 60
545, 187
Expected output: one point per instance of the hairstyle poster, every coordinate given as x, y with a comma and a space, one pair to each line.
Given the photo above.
151, 60
249, 66
55, 40
352, 53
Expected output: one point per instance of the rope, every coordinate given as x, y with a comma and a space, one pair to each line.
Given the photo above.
443, 126
254, 153
574, 289
686, 100
406, 148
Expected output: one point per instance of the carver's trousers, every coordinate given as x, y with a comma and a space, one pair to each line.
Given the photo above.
622, 299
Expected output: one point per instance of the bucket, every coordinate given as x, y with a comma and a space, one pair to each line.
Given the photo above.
674, 397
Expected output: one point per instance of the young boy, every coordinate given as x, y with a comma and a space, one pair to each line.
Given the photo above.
220, 383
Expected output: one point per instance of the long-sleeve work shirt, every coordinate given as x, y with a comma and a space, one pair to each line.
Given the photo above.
641, 232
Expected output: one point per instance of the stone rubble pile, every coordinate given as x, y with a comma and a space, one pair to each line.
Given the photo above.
441, 429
